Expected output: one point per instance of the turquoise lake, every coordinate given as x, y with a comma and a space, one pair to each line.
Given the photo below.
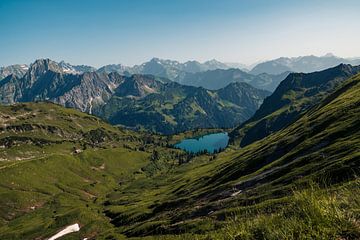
211, 142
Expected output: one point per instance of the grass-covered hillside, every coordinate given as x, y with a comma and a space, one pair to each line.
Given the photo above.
291, 99
300, 182
143, 103
256, 184
58, 165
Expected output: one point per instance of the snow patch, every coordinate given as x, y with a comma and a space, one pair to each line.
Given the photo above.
236, 193
69, 229
149, 89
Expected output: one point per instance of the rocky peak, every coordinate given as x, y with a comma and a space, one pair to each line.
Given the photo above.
18, 69
42, 65
138, 86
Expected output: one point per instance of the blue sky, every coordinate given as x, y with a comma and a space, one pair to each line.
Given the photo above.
98, 32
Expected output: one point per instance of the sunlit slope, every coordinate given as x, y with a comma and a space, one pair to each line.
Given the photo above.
292, 98
57, 166
321, 146
122, 184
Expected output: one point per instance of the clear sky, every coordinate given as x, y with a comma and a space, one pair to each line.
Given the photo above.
99, 32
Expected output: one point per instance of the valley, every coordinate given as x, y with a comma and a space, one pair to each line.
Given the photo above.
62, 167
179, 120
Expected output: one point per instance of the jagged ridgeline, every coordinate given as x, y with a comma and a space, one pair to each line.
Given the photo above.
292, 98
137, 101
61, 166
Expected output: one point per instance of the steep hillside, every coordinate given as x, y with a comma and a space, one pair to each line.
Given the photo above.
296, 94
168, 108
60, 167
250, 191
140, 101
57, 166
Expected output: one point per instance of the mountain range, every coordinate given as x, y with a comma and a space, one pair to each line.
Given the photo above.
291, 170
165, 68
304, 64
211, 74
151, 102
219, 78
170, 107
18, 70
298, 93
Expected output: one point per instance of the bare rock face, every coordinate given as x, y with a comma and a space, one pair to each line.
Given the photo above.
47, 80
93, 89
17, 70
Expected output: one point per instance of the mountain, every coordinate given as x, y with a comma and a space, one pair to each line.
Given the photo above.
119, 68
304, 64
60, 166
47, 80
294, 96
219, 78
142, 102
165, 68
75, 69
266, 190
17, 70
214, 64
240, 66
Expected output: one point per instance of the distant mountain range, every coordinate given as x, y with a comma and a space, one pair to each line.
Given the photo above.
292, 169
304, 64
211, 74
144, 101
165, 68
18, 70
219, 78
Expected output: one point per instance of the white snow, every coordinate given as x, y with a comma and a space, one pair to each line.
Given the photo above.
236, 193
149, 89
90, 105
69, 229
24, 67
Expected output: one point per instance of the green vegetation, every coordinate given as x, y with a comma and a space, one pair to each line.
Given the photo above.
322, 146
143, 103
62, 167
293, 97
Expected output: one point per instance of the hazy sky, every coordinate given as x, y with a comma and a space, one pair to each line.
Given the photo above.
98, 32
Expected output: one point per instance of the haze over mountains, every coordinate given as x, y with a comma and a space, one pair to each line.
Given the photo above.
264, 75
138, 120
63, 166
142, 101
160, 95
304, 64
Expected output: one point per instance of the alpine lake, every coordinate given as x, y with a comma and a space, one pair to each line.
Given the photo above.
210, 143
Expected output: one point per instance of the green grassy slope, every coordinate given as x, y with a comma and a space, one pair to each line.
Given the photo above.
292, 98
298, 183
198, 198
58, 165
